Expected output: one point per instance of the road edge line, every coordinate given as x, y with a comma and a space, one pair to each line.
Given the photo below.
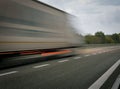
117, 82
100, 81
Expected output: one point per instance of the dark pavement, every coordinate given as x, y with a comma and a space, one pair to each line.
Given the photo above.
78, 72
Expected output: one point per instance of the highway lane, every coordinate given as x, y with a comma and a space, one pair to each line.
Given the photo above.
78, 72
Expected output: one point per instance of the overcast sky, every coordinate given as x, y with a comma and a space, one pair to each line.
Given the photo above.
93, 15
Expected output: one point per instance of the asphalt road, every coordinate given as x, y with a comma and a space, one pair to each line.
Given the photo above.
78, 72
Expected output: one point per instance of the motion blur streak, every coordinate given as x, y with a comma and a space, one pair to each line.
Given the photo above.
33, 25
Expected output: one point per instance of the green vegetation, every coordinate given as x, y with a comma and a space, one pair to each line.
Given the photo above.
101, 38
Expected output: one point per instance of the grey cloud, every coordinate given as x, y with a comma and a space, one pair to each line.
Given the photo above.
94, 15
107, 2
112, 17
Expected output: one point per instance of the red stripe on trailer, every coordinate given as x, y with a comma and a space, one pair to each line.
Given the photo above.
3, 53
29, 52
55, 53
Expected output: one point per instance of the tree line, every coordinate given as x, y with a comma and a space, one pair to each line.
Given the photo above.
101, 38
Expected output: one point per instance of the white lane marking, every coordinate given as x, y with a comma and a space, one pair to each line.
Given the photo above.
117, 83
77, 57
94, 53
104, 51
39, 66
99, 52
97, 84
63, 61
87, 55
111, 50
107, 51
12, 72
